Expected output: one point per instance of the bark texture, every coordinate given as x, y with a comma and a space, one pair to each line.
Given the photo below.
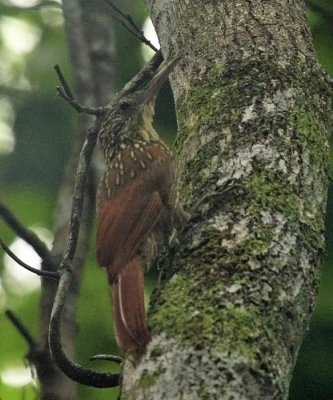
254, 113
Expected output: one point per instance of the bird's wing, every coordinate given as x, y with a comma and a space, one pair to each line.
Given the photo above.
123, 224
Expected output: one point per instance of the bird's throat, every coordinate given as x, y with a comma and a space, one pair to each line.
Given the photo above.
146, 130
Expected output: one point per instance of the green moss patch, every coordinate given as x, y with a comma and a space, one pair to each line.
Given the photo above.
269, 191
188, 315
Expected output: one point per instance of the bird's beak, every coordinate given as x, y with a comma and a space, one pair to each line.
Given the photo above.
154, 86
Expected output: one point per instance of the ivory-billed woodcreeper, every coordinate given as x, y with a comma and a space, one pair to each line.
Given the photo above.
134, 204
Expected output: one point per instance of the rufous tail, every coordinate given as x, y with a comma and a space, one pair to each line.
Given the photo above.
128, 306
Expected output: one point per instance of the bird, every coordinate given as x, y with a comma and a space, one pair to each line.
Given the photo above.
136, 204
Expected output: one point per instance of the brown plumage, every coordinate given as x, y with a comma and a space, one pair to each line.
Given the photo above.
133, 204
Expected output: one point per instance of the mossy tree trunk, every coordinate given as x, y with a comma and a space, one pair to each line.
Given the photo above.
253, 109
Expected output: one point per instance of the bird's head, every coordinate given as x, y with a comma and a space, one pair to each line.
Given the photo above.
131, 112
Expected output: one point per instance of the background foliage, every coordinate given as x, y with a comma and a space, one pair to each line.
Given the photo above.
36, 130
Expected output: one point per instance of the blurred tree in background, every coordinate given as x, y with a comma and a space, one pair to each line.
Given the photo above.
36, 132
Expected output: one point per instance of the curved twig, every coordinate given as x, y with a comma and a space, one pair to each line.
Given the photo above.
65, 92
26, 234
136, 31
73, 370
45, 274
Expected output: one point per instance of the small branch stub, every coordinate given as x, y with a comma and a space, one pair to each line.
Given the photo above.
133, 29
65, 92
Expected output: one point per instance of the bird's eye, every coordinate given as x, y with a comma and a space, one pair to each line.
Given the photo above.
124, 105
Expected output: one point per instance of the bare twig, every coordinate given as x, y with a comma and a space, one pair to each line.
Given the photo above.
136, 31
78, 197
26, 234
71, 369
46, 274
63, 82
65, 92
79, 107
21, 328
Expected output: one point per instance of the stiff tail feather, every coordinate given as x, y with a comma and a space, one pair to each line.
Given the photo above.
128, 306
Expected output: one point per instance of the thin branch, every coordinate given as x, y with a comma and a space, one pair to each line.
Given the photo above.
78, 197
26, 234
126, 17
21, 328
65, 92
136, 31
63, 82
79, 107
73, 370
46, 274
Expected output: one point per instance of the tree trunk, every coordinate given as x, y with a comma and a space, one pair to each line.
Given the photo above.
254, 114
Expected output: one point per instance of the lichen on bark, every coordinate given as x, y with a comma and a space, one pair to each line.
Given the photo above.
254, 113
